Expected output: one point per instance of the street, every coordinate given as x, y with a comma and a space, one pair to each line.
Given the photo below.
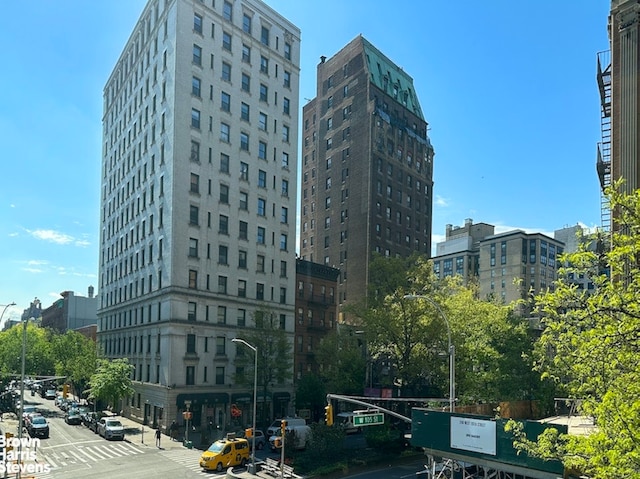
75, 452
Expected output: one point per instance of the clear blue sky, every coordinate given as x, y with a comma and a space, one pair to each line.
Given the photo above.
508, 88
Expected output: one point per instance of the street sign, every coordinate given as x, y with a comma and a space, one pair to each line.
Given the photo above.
368, 419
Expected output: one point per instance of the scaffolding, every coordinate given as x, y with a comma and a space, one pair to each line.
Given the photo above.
603, 162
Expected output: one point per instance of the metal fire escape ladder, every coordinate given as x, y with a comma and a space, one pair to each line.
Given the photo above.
603, 162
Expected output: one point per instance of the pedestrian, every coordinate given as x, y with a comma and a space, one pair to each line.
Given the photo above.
158, 435
173, 429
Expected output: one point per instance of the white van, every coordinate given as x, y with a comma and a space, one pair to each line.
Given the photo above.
344, 420
274, 429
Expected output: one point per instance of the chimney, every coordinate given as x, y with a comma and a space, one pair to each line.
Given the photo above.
322, 59
90, 292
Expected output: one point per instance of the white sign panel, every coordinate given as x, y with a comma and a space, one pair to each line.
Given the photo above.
475, 435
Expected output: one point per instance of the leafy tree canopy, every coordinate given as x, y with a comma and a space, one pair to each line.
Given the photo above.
591, 347
111, 381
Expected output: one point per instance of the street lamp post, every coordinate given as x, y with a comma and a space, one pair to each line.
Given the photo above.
255, 401
4, 310
452, 350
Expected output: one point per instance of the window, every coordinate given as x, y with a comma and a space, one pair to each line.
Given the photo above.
260, 263
285, 133
262, 207
219, 375
195, 118
227, 11
242, 317
262, 179
285, 159
226, 71
246, 82
242, 259
195, 86
190, 375
285, 106
285, 188
262, 150
224, 132
193, 247
260, 238
195, 183
244, 171
262, 121
264, 64
287, 79
222, 289
224, 194
191, 313
224, 163
223, 224
244, 111
197, 55
244, 201
223, 254
244, 141
264, 92
259, 291
225, 101
226, 41
197, 23
246, 23
243, 230
193, 215
287, 50
193, 279
246, 53
242, 288
191, 343
283, 242
264, 36
195, 151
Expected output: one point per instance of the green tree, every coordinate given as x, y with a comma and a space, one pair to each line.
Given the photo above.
311, 393
38, 353
275, 363
75, 357
112, 381
591, 349
343, 363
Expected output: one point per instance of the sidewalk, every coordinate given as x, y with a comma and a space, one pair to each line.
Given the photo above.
136, 433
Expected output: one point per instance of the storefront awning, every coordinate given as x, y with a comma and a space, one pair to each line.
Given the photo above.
281, 396
242, 397
202, 398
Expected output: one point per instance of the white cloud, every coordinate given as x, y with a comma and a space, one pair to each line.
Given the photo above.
441, 201
33, 270
51, 236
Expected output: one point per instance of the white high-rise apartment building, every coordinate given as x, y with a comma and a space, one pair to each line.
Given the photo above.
198, 207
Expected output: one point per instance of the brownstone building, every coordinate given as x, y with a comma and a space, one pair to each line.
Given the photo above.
367, 167
316, 312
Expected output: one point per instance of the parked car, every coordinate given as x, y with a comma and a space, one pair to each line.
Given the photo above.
50, 394
27, 409
261, 439
110, 428
91, 419
73, 416
38, 427
29, 417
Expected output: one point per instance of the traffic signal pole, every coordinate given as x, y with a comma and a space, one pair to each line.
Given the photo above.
283, 426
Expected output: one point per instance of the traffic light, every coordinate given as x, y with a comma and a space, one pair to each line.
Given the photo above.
248, 433
65, 390
283, 427
277, 442
328, 415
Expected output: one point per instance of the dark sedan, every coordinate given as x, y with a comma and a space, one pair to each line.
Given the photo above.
38, 427
73, 416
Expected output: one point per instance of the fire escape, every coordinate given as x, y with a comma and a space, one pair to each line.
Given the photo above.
603, 164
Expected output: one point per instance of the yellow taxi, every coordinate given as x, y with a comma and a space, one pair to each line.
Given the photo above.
224, 453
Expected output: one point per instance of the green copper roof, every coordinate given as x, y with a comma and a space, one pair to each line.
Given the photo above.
390, 78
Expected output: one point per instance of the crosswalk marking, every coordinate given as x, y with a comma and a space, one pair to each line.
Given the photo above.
87, 453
